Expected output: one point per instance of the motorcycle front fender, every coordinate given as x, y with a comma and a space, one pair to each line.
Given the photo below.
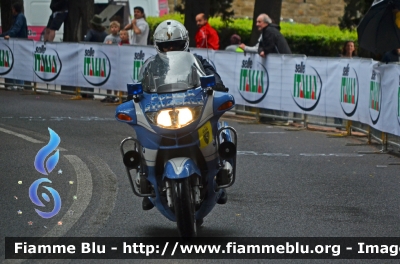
180, 168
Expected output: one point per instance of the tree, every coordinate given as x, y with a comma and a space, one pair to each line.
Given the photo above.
353, 12
270, 7
6, 15
80, 13
222, 8
192, 8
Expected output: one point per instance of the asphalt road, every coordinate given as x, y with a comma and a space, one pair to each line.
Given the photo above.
290, 183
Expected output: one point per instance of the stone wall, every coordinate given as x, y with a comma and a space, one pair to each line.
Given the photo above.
301, 11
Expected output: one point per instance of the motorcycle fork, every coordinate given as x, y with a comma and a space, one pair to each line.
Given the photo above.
195, 184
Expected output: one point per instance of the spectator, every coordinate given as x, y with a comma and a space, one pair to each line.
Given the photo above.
97, 32
272, 41
391, 56
113, 38
19, 29
59, 9
206, 36
124, 36
253, 49
139, 26
348, 50
235, 42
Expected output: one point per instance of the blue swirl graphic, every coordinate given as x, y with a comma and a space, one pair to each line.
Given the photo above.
45, 151
35, 199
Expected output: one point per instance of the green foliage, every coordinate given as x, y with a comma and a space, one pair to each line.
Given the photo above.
308, 39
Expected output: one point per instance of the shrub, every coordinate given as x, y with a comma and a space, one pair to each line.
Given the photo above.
308, 39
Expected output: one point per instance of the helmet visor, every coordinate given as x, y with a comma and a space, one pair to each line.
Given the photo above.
177, 45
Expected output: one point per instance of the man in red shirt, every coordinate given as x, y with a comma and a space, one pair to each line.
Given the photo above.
206, 36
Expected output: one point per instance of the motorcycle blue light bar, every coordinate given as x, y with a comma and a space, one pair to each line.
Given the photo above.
135, 88
207, 81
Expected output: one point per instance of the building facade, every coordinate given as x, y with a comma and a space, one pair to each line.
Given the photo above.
301, 11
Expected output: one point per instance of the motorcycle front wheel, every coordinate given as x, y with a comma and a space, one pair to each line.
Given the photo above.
184, 207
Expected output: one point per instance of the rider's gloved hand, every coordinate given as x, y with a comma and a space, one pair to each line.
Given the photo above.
220, 87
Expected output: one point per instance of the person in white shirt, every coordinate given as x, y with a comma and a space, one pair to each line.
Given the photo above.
139, 26
253, 49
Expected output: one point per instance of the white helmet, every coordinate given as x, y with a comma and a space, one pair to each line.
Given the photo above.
170, 35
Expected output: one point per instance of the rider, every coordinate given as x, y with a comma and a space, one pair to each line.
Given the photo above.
171, 35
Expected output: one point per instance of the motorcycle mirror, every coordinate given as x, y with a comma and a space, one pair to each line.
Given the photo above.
207, 81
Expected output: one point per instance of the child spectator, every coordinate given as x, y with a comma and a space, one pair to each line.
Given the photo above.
113, 38
235, 42
124, 36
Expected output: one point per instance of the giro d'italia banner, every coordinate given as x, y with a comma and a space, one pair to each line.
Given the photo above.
353, 89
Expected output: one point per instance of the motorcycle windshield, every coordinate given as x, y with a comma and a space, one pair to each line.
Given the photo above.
171, 72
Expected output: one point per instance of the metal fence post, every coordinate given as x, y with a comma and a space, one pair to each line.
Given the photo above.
384, 141
369, 135
258, 115
34, 87
305, 120
78, 95
348, 127
120, 97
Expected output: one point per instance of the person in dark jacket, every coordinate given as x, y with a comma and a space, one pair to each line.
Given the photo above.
19, 29
272, 41
59, 9
97, 32
392, 56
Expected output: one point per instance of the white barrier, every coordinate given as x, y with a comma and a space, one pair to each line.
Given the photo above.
354, 89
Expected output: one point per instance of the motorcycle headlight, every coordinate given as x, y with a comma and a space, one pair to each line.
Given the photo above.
174, 118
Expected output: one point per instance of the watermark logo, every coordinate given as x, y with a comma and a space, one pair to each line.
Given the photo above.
349, 91
375, 97
6, 59
41, 165
254, 81
33, 195
47, 63
96, 67
138, 61
307, 87
45, 151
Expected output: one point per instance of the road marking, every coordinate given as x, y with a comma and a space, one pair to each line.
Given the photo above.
83, 192
272, 132
331, 155
253, 153
27, 138
109, 190
62, 118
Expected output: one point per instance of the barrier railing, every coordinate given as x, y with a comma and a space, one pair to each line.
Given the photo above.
384, 139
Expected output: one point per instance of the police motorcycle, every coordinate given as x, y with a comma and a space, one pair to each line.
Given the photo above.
182, 157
